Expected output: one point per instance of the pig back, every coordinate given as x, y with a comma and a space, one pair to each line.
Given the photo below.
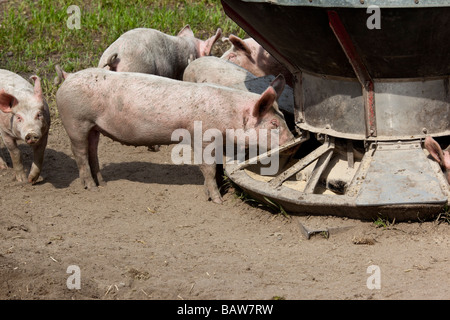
150, 51
142, 109
212, 69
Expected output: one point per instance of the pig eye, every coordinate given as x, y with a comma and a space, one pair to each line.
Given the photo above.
18, 118
274, 122
39, 116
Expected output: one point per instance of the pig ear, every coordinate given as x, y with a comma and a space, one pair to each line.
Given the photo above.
7, 101
278, 84
434, 149
206, 46
37, 86
185, 32
240, 44
265, 102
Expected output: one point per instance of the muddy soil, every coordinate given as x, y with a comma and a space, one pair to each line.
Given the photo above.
150, 234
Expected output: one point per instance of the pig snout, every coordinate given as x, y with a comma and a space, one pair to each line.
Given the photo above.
32, 138
285, 135
30, 126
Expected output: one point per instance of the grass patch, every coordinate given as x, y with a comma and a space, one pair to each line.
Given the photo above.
34, 35
444, 216
383, 223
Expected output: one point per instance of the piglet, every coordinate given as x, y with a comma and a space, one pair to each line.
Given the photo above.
250, 55
24, 116
442, 157
143, 110
151, 51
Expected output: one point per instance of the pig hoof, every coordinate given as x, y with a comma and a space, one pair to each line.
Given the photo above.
101, 184
218, 200
91, 187
21, 178
33, 180
153, 148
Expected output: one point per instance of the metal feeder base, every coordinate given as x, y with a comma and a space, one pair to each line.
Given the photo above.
393, 180
387, 88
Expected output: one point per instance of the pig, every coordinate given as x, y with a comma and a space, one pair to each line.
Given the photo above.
250, 55
442, 157
219, 71
24, 116
215, 70
143, 110
151, 51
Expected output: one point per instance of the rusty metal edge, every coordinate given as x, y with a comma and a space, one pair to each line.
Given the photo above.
298, 203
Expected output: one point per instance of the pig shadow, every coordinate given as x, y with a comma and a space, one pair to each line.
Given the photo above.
147, 172
60, 170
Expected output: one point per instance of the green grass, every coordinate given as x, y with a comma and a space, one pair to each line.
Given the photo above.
384, 223
34, 35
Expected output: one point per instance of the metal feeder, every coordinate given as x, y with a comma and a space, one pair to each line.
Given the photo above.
366, 97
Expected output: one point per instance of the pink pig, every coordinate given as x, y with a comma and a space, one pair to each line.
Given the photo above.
250, 55
215, 70
24, 115
143, 110
442, 157
151, 51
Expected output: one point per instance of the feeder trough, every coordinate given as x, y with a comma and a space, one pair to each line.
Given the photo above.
370, 83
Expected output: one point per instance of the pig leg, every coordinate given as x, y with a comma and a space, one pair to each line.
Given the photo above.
80, 149
16, 157
94, 138
3, 164
38, 159
211, 188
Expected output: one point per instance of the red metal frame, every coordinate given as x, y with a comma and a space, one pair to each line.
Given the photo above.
360, 70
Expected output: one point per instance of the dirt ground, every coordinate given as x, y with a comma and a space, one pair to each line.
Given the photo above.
150, 234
